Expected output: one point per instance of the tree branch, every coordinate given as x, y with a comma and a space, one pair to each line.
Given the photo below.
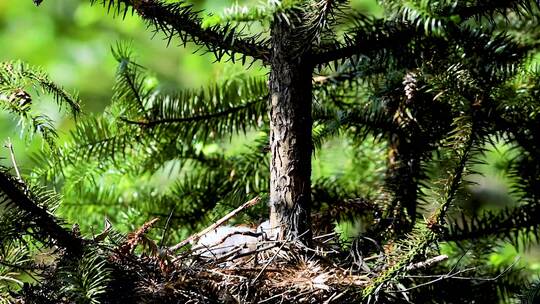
9, 146
195, 118
179, 19
490, 7
365, 41
506, 223
45, 221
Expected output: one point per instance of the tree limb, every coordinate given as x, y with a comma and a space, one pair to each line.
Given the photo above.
179, 19
44, 220
366, 41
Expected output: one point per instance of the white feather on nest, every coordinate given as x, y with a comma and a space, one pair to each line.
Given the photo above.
225, 239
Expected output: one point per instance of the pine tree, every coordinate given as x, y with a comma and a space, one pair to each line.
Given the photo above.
436, 84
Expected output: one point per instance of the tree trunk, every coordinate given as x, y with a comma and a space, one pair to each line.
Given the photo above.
290, 134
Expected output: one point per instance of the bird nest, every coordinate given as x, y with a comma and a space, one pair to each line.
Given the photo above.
273, 272
257, 269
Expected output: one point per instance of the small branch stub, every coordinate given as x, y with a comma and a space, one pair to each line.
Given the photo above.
9, 146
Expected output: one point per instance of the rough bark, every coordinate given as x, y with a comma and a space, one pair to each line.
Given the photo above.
290, 135
403, 158
402, 179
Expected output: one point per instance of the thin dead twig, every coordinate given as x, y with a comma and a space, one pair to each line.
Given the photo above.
9, 146
237, 270
457, 277
269, 262
274, 297
331, 234
227, 275
335, 297
220, 222
427, 263
255, 251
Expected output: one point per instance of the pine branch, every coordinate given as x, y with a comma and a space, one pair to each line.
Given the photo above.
18, 85
488, 8
332, 202
406, 251
129, 89
224, 108
427, 27
367, 39
181, 21
196, 118
219, 111
98, 186
318, 16
464, 141
510, 223
99, 137
459, 12
358, 123
22, 200
159, 120
15, 76
367, 71
420, 239
85, 280
264, 13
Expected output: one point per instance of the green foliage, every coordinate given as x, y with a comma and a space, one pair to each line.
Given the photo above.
149, 134
530, 294
87, 280
13, 261
20, 84
180, 20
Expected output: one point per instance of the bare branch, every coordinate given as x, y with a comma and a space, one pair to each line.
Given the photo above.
427, 263
9, 146
220, 222
456, 275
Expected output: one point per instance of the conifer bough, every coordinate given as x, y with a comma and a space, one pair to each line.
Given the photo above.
21, 198
181, 21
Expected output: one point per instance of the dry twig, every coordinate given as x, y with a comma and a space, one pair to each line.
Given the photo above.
220, 222
9, 146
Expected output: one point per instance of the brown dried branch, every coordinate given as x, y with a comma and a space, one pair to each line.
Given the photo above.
427, 263
220, 222
136, 237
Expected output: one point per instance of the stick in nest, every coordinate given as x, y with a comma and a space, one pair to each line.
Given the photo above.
220, 222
